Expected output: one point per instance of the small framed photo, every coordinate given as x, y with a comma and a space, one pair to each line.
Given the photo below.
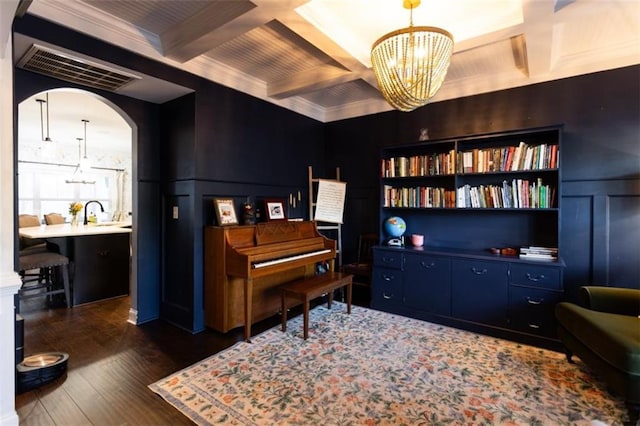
225, 212
274, 209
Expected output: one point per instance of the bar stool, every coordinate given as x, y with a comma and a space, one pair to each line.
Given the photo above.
51, 266
49, 283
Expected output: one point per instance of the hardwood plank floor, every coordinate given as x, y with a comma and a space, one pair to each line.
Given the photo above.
111, 362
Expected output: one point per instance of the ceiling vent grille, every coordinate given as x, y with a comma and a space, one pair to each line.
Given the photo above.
64, 67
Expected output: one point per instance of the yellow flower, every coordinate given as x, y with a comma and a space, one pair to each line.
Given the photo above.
75, 207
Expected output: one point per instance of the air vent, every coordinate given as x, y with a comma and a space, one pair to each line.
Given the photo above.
63, 66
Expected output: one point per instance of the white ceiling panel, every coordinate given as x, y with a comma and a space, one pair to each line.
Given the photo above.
312, 56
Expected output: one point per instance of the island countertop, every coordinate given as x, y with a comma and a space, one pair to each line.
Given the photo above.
68, 230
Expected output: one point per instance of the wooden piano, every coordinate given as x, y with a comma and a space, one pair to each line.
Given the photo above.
245, 265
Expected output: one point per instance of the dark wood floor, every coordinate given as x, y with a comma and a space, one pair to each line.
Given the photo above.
111, 362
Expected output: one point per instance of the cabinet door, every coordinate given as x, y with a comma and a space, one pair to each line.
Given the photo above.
386, 288
427, 283
479, 291
101, 267
532, 310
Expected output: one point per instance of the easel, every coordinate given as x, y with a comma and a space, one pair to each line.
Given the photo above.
322, 226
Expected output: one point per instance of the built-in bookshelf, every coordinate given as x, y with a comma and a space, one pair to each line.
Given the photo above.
488, 207
512, 177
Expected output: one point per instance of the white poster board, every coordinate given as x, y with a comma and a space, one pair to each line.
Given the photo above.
330, 202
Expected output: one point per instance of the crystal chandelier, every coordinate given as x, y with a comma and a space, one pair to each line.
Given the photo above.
410, 64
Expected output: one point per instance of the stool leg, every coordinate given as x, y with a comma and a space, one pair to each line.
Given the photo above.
65, 282
329, 299
349, 297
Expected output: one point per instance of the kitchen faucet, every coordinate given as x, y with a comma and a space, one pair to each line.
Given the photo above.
85, 209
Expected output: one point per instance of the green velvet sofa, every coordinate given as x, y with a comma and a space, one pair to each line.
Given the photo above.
604, 332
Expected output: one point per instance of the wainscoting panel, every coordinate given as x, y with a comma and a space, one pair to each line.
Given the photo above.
600, 234
624, 241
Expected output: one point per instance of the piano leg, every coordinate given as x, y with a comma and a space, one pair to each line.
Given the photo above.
248, 316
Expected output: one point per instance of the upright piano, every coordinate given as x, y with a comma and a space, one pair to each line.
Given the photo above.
245, 265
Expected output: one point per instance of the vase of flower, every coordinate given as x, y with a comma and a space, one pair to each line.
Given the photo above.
74, 209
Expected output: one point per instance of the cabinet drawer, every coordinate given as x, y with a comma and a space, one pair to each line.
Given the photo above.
386, 287
479, 271
387, 259
536, 276
532, 310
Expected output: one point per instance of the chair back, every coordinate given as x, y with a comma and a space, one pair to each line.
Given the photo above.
53, 219
365, 246
25, 221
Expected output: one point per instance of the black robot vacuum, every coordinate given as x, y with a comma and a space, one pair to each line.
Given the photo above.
37, 370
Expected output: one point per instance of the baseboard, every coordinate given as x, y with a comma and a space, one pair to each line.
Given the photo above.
133, 316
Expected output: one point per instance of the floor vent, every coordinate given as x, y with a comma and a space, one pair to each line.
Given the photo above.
65, 67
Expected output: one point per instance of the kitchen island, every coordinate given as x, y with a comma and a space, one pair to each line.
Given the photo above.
99, 256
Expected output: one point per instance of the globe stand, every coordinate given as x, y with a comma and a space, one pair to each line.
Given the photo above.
395, 241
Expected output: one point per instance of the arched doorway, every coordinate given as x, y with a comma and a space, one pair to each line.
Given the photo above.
58, 130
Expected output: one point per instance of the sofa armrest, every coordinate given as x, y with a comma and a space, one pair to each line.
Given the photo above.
615, 300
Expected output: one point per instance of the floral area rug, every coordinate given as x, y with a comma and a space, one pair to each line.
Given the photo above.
374, 368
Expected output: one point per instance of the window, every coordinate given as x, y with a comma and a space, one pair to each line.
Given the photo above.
42, 189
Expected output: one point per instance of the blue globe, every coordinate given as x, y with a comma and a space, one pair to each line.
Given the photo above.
395, 226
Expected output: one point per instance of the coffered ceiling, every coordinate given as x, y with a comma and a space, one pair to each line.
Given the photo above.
312, 56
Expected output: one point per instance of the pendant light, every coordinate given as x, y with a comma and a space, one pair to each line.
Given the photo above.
85, 164
80, 174
46, 102
410, 64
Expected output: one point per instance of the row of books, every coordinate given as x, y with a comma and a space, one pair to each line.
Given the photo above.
418, 197
503, 159
537, 252
520, 193
509, 158
419, 165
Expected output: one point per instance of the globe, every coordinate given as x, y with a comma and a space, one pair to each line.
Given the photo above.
395, 226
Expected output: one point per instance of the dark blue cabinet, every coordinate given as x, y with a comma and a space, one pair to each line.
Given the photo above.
427, 283
470, 290
479, 291
534, 291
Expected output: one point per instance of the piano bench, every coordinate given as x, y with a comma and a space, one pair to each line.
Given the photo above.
306, 289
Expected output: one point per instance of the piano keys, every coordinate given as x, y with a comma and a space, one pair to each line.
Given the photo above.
245, 265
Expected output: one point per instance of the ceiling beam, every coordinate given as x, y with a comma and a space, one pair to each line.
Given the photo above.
219, 22
309, 81
538, 26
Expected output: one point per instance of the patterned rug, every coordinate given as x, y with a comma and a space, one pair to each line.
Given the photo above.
374, 368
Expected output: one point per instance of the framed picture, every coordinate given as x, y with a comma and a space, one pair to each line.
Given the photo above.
274, 209
225, 212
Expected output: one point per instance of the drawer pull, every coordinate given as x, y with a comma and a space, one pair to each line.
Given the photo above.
387, 297
388, 277
427, 265
479, 271
103, 253
388, 259
535, 278
534, 302
536, 326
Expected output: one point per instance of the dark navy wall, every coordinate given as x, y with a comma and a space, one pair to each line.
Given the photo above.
600, 160
215, 142
218, 142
